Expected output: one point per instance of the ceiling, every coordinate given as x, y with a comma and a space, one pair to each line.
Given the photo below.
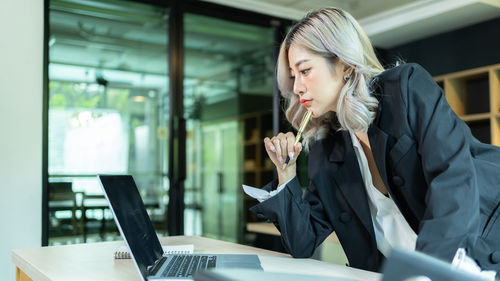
388, 23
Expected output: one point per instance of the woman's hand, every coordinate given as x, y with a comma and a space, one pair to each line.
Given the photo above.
279, 148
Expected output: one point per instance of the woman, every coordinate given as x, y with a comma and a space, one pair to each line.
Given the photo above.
390, 164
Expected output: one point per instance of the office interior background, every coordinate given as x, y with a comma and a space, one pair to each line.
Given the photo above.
180, 94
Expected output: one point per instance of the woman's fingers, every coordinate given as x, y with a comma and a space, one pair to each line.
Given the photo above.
271, 149
290, 138
281, 147
297, 149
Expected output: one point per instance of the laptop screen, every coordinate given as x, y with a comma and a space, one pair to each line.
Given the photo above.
132, 220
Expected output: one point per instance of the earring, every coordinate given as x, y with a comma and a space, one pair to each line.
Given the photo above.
347, 77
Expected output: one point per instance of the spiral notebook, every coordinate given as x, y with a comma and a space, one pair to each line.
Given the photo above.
123, 253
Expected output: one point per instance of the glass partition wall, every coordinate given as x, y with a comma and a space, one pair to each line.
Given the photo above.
228, 80
109, 106
108, 111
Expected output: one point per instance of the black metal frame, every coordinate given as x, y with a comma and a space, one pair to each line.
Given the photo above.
45, 126
177, 123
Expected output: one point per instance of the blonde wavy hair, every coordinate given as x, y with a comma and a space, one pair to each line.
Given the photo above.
335, 35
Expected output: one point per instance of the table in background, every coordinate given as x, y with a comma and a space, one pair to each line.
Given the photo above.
330, 250
269, 228
94, 261
85, 224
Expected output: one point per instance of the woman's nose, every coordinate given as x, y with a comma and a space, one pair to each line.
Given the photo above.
298, 87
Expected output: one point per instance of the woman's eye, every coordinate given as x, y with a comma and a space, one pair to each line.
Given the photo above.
292, 77
305, 71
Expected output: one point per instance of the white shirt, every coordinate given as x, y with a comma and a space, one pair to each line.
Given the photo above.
391, 228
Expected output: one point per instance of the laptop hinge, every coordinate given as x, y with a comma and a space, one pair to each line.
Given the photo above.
152, 269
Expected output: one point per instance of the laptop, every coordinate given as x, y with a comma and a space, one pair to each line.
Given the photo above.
145, 249
405, 265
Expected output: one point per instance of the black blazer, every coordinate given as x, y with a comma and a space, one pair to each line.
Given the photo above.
444, 181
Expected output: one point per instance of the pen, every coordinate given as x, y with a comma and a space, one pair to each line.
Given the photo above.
302, 126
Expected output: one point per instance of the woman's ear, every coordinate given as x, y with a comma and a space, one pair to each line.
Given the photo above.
347, 69
346, 72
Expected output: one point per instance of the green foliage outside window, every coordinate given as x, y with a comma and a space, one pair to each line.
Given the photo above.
86, 95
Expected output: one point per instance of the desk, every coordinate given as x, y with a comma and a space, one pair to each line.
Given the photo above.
95, 261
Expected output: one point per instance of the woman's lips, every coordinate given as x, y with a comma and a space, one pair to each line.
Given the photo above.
305, 102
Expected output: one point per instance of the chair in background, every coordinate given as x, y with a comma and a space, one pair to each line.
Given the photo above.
94, 209
63, 201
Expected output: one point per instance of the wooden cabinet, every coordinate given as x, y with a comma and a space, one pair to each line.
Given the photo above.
474, 95
257, 168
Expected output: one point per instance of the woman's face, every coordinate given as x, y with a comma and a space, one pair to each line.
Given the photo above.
315, 82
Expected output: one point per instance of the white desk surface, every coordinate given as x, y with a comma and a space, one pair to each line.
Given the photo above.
94, 261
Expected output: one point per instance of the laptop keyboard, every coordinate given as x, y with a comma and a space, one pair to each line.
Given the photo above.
186, 265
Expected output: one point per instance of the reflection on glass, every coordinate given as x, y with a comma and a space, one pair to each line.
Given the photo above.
107, 111
228, 79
